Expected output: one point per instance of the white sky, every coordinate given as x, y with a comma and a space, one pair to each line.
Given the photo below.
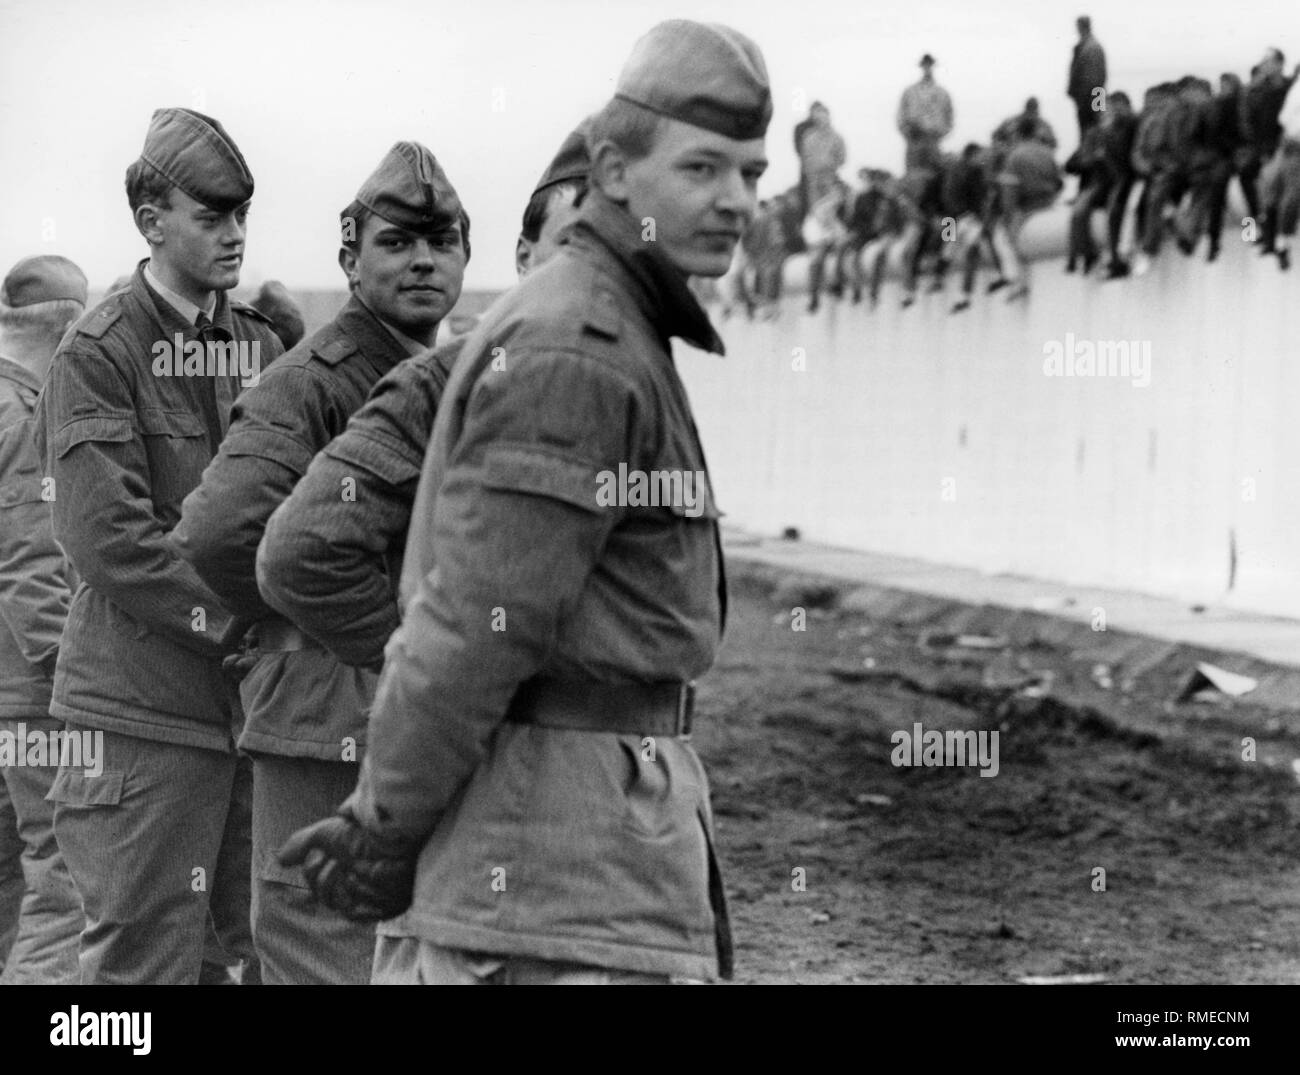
315, 92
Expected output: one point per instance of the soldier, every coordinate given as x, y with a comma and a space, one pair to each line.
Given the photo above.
330, 565
405, 242
137, 401
39, 299
528, 739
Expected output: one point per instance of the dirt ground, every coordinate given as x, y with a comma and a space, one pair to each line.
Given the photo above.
940, 875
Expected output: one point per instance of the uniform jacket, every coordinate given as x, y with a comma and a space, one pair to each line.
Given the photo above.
603, 851
145, 636
35, 578
925, 111
297, 701
331, 565
1087, 69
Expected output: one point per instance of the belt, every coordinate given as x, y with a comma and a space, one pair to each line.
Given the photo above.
280, 636
623, 708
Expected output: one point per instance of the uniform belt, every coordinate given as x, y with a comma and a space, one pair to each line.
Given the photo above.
624, 708
280, 636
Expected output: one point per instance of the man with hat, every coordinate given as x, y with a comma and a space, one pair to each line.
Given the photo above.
330, 564
138, 399
40, 912
405, 242
924, 118
529, 797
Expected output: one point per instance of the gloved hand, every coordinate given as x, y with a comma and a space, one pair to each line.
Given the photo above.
236, 666
361, 876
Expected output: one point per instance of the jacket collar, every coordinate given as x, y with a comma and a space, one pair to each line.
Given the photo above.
376, 344
167, 314
18, 373
658, 287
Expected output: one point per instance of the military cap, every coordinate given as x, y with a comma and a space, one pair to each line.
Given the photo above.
44, 278
198, 156
706, 75
571, 164
273, 300
409, 189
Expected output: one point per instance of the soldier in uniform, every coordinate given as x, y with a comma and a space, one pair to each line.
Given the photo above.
137, 402
330, 565
39, 299
530, 804
405, 245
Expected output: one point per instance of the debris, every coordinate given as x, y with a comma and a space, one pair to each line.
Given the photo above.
1040, 686
1210, 683
1062, 979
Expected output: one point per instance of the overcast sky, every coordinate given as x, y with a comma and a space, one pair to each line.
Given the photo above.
315, 93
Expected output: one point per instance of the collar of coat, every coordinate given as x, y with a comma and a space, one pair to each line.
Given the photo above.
658, 287
166, 314
357, 329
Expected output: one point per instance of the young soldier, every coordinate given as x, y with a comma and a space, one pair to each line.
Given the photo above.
39, 299
137, 401
528, 739
405, 245
330, 564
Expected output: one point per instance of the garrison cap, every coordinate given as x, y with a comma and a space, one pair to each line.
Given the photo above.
198, 156
44, 278
707, 75
571, 164
410, 189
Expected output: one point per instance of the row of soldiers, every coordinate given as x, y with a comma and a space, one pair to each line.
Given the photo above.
358, 638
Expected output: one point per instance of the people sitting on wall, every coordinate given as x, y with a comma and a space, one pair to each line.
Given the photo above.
1029, 183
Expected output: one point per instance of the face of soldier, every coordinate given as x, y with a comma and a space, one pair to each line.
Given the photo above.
560, 212
693, 195
195, 250
411, 281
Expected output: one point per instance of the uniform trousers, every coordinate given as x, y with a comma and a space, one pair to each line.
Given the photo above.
49, 920
299, 941
152, 842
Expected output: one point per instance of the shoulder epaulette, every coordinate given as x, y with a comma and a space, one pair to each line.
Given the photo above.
336, 350
100, 321
250, 311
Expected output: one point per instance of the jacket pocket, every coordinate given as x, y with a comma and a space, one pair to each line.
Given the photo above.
176, 446
94, 427
77, 788
385, 459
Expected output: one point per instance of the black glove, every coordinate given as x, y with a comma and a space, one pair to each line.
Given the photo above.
236, 666
363, 877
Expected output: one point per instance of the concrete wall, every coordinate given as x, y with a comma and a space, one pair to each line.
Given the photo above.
940, 436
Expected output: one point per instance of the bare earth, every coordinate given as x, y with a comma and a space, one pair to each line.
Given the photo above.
959, 878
